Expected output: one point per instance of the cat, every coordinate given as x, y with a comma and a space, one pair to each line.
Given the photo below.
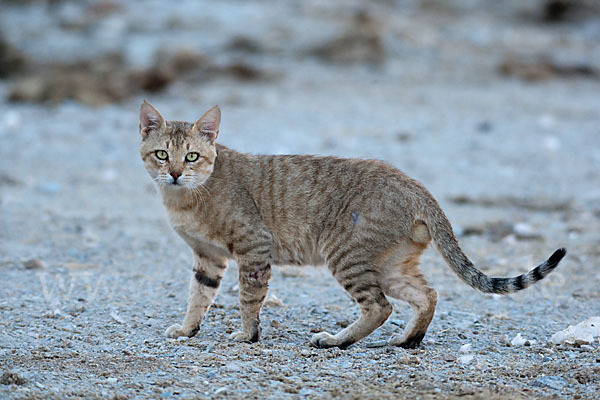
366, 220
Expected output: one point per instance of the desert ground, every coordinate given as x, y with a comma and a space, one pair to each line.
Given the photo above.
494, 107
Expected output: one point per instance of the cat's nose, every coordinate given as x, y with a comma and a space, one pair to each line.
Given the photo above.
175, 175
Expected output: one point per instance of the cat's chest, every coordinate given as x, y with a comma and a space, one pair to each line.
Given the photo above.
183, 221
196, 235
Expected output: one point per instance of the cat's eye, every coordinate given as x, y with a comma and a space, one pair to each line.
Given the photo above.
191, 157
161, 155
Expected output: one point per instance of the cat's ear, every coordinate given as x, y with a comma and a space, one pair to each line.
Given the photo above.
208, 124
150, 119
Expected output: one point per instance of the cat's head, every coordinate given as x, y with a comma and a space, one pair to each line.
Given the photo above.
178, 155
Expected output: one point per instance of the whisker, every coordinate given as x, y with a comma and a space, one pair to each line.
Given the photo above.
197, 194
205, 189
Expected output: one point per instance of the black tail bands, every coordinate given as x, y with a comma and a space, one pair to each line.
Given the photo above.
509, 285
441, 232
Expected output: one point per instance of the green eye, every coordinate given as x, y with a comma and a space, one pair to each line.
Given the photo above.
161, 155
191, 157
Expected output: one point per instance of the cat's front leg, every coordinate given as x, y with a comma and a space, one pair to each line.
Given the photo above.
204, 284
254, 285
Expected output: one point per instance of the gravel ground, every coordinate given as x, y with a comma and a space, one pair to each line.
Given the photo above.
515, 163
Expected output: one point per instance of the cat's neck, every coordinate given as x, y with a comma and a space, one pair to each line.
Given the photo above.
180, 199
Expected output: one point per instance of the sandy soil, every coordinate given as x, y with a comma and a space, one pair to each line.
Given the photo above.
513, 159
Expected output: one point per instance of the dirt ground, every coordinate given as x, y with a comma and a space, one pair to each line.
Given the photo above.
495, 108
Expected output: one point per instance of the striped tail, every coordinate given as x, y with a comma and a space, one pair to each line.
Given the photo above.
441, 231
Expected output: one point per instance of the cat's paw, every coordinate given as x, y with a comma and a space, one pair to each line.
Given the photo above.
174, 331
241, 336
324, 340
405, 341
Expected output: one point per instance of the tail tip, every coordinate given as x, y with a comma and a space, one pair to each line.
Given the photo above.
557, 256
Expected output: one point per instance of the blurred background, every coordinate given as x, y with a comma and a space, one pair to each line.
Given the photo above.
102, 52
493, 105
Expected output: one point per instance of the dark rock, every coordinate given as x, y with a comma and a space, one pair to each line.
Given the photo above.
361, 43
109, 78
12, 378
245, 44
12, 62
544, 68
34, 263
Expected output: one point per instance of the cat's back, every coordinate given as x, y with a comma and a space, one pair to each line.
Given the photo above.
332, 174
312, 184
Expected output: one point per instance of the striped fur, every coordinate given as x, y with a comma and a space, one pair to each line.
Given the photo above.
363, 218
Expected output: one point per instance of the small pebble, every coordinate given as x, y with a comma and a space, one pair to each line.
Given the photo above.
586, 347
449, 357
232, 367
376, 343
275, 324
518, 340
117, 317
465, 348
408, 359
552, 382
209, 348
501, 316
398, 322
273, 301
465, 359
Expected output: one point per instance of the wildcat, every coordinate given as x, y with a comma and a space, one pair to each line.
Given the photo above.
363, 218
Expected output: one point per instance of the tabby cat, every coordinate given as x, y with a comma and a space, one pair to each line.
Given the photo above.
366, 220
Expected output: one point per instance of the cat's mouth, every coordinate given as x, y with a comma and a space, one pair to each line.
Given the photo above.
177, 185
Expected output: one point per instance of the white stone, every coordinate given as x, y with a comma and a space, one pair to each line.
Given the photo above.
583, 333
465, 348
518, 340
465, 359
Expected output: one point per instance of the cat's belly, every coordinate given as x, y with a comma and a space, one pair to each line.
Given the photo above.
295, 253
280, 258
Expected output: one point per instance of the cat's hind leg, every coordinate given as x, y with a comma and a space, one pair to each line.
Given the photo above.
204, 285
403, 280
360, 278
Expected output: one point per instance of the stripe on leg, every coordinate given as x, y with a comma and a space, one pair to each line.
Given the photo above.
204, 280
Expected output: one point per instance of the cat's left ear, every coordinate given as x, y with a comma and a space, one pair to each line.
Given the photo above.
208, 124
150, 119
